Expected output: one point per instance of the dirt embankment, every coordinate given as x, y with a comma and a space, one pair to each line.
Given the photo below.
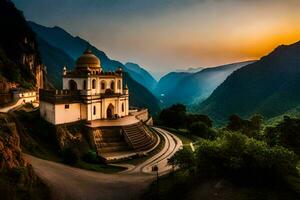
17, 178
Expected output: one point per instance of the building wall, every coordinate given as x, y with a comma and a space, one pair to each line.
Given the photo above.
47, 111
142, 115
90, 111
83, 111
79, 82
67, 115
27, 97
60, 114
118, 88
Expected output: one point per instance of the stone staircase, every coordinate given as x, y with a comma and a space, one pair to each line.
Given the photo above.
109, 140
139, 136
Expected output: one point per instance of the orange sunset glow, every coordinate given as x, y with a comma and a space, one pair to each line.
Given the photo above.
177, 35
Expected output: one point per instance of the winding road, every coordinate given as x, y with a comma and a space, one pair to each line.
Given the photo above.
76, 184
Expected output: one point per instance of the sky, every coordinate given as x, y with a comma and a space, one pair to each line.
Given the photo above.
165, 35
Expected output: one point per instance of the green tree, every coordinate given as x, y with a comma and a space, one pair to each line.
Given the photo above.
241, 157
184, 159
286, 133
191, 118
247, 127
256, 121
173, 116
202, 130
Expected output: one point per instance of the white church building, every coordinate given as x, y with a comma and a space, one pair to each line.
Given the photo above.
88, 94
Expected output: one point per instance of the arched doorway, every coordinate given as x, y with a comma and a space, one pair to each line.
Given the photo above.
110, 111
72, 85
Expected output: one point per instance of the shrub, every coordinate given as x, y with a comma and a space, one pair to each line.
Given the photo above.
183, 158
174, 116
70, 156
202, 130
91, 157
247, 127
286, 133
191, 118
241, 157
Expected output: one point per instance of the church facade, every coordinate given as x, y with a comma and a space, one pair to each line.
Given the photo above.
88, 94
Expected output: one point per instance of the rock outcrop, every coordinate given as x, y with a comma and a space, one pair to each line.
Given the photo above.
20, 61
17, 177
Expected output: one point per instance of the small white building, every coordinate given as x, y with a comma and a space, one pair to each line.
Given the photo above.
27, 96
88, 94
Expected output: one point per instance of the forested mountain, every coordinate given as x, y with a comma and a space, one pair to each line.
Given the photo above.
270, 86
58, 48
189, 88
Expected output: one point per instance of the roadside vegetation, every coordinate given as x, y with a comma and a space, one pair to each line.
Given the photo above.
242, 160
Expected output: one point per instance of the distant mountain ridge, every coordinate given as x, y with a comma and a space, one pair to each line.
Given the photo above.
74, 46
270, 86
190, 69
190, 88
141, 75
59, 48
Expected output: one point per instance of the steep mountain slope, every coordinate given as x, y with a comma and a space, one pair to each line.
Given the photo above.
59, 48
270, 86
74, 46
189, 88
141, 75
54, 59
168, 83
19, 57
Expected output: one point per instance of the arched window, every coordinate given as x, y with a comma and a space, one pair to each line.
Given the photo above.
103, 87
93, 84
122, 107
112, 85
94, 110
72, 85
84, 84
119, 84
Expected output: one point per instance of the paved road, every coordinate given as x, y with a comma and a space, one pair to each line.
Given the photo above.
172, 144
10, 107
15, 106
76, 184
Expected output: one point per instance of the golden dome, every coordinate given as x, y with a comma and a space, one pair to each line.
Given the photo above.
88, 60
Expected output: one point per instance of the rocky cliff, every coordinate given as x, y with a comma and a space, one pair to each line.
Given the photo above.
20, 63
17, 178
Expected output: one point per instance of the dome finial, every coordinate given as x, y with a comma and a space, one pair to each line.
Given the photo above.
88, 49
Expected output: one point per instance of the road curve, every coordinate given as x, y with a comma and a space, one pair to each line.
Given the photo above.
172, 144
76, 184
